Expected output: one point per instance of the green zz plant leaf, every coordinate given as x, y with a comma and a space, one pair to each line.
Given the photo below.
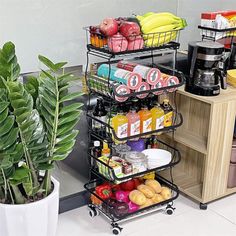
9, 67
60, 120
31, 132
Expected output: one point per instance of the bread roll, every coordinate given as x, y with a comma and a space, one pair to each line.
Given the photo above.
154, 185
166, 193
137, 197
157, 198
146, 190
148, 203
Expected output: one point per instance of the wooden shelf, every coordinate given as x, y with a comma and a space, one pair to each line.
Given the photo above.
186, 183
231, 190
225, 95
191, 141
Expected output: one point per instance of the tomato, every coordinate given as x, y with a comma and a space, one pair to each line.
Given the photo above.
128, 185
137, 182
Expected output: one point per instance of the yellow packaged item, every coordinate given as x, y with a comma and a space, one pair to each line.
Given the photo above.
104, 170
231, 77
150, 175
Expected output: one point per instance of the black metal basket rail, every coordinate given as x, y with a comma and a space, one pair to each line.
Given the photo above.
91, 188
176, 158
104, 88
178, 121
211, 33
157, 41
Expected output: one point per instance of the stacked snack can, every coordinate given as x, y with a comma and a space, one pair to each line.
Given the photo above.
151, 75
130, 79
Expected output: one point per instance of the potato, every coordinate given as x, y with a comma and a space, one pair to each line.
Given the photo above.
148, 203
137, 197
157, 198
166, 193
146, 190
154, 185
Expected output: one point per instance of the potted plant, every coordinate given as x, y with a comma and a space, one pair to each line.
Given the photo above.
37, 129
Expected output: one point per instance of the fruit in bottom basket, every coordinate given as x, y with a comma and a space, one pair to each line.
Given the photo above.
157, 198
117, 43
95, 200
166, 193
154, 184
109, 26
148, 203
132, 207
146, 190
130, 30
136, 44
120, 209
137, 197
128, 185
122, 196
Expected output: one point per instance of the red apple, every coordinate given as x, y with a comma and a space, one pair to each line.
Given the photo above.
136, 44
130, 30
109, 26
117, 43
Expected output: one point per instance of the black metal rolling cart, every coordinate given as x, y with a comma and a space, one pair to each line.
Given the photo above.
106, 90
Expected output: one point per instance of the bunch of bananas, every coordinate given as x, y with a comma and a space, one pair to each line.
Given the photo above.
160, 28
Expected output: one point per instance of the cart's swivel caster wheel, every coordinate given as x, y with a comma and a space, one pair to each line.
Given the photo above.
169, 210
93, 212
116, 230
203, 206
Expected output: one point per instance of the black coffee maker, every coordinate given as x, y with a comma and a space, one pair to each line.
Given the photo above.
204, 72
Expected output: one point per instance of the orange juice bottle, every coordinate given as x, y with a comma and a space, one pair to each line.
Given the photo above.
145, 120
120, 125
157, 117
168, 110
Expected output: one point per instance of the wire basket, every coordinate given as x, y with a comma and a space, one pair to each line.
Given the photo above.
104, 167
224, 36
169, 82
120, 45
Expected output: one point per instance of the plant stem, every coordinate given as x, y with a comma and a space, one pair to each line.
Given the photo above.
2, 195
33, 176
46, 184
11, 195
5, 184
19, 198
56, 117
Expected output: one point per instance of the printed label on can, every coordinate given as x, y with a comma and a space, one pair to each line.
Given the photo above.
141, 70
133, 81
120, 73
122, 131
147, 125
168, 119
135, 128
160, 123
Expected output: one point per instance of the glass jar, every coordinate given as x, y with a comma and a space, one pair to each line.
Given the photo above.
138, 161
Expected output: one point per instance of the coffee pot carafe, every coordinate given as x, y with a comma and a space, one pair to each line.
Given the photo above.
204, 72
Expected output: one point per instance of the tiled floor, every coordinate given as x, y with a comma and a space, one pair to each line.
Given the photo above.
188, 220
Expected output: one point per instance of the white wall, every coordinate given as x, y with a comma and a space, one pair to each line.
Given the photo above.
54, 27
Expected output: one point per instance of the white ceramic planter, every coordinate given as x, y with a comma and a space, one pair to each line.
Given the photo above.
32, 219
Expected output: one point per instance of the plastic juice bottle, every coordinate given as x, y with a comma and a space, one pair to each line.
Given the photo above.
133, 122
106, 151
120, 125
99, 113
158, 115
146, 120
168, 110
